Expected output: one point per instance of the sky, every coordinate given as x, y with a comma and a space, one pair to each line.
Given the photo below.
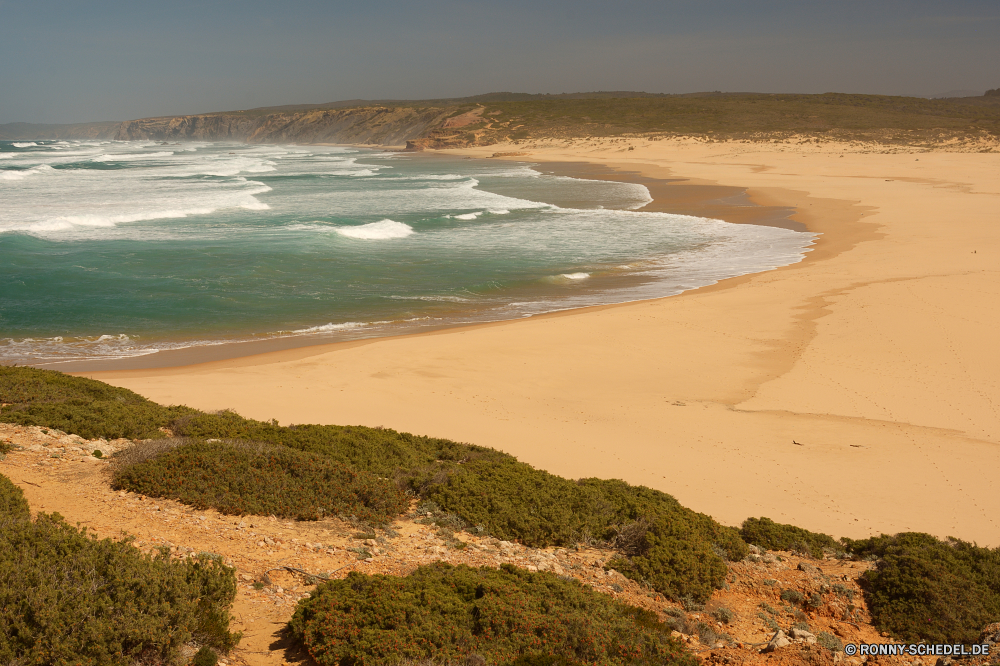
91, 60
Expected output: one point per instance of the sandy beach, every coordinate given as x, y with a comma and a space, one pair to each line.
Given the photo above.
854, 393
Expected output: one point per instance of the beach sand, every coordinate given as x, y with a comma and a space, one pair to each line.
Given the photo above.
854, 393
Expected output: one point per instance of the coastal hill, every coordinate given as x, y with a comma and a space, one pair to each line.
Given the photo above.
492, 118
497, 117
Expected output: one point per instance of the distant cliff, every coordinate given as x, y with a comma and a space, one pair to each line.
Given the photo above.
378, 125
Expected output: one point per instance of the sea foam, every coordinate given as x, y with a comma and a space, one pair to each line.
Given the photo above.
382, 230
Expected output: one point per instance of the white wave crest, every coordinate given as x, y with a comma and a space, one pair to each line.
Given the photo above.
441, 299
332, 328
128, 157
466, 216
382, 230
25, 144
575, 276
21, 175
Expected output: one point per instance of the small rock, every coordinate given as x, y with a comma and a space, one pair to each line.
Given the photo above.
991, 636
802, 635
809, 568
779, 640
531, 567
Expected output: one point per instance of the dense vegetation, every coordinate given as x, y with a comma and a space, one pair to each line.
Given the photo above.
770, 535
923, 588
68, 598
85, 407
261, 479
445, 613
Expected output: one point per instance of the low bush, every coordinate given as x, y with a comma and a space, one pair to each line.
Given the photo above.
667, 545
69, 598
723, 615
445, 613
792, 596
768, 534
923, 588
829, 641
12, 502
378, 450
675, 550
84, 407
261, 479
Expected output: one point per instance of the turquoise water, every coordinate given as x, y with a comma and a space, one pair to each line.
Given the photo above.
117, 249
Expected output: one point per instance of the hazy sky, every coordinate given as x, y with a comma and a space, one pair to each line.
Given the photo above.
78, 60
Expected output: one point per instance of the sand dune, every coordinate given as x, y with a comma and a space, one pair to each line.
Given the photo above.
877, 355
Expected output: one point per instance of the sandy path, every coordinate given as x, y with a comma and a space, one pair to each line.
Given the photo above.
877, 355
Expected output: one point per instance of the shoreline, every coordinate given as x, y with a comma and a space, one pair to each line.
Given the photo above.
851, 393
670, 194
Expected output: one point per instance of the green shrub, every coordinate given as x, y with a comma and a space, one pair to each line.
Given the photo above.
68, 598
261, 479
445, 613
205, 657
792, 596
923, 588
675, 550
829, 641
84, 407
378, 450
13, 506
768, 534
668, 546
723, 615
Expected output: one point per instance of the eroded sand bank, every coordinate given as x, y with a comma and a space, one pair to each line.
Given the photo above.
877, 355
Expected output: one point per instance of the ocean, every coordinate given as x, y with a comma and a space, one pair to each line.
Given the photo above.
113, 250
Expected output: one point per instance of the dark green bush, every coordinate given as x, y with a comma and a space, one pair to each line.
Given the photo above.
84, 407
205, 657
672, 548
768, 534
378, 450
261, 479
665, 544
12, 502
441, 612
68, 598
923, 588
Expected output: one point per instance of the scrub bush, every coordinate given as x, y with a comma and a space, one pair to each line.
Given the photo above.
378, 450
69, 598
445, 613
80, 406
12, 502
770, 535
668, 546
237, 478
923, 588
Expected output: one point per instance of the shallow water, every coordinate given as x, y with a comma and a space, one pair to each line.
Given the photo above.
119, 249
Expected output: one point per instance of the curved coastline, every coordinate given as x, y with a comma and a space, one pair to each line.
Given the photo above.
863, 353
670, 195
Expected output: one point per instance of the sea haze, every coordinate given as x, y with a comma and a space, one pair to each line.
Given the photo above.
120, 249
